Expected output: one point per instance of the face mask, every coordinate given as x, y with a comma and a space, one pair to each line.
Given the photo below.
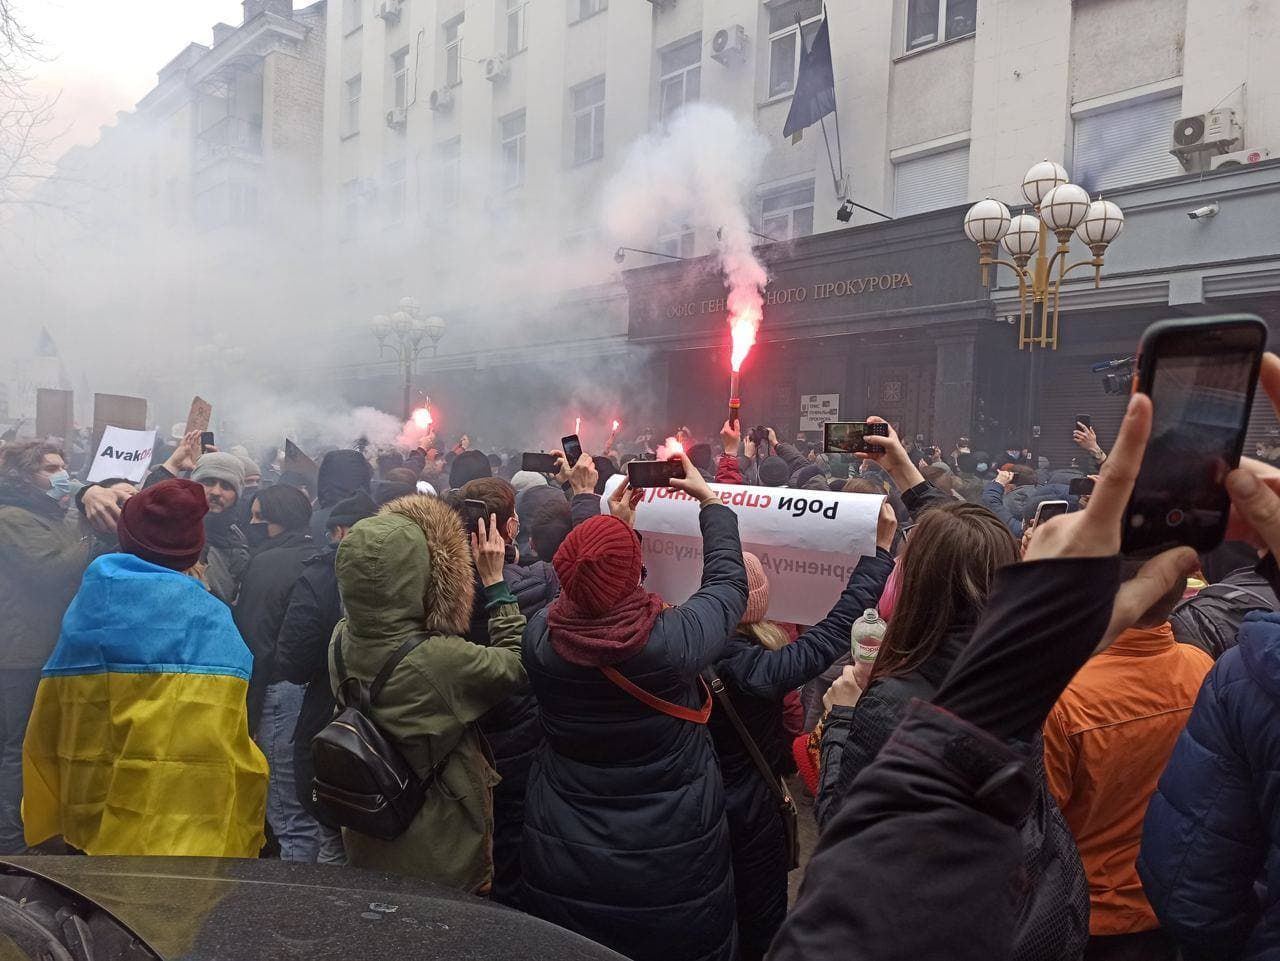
257, 534
60, 485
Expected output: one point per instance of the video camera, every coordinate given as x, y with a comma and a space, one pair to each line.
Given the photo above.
759, 435
1117, 375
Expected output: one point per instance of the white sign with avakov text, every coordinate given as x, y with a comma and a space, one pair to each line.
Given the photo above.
808, 542
123, 453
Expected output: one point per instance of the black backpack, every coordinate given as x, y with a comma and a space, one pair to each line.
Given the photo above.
1211, 620
361, 780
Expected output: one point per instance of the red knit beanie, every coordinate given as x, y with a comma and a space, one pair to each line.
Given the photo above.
164, 524
598, 564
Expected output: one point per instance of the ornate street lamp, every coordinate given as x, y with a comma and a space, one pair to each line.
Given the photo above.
407, 334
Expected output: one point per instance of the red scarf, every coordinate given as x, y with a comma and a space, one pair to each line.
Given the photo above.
590, 640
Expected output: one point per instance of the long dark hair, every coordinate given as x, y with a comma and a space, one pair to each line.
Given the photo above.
947, 570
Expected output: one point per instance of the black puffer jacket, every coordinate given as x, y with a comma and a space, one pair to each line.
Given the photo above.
625, 838
302, 656
1053, 918
757, 680
513, 731
259, 610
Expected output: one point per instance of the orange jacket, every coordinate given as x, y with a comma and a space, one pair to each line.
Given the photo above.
1106, 743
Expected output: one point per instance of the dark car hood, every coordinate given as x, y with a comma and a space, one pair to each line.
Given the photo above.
245, 910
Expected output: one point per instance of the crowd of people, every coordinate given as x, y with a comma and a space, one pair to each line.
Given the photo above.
1051, 752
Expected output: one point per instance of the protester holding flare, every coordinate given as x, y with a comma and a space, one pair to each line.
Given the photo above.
625, 835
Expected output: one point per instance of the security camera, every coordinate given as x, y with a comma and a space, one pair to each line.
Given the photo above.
1205, 212
619, 256
845, 212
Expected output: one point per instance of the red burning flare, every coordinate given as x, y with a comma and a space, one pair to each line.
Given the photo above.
742, 329
577, 425
422, 419
616, 425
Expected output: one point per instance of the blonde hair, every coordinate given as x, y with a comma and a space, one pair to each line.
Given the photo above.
765, 633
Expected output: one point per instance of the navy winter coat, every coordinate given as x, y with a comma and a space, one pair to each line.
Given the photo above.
513, 731
1210, 858
625, 837
757, 680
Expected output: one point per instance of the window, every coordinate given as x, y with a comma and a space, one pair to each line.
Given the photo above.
581, 9
350, 223
512, 130
677, 240
785, 38
450, 172
400, 78
787, 212
395, 180
516, 40
1126, 144
680, 76
588, 121
352, 15
453, 52
351, 115
931, 182
933, 21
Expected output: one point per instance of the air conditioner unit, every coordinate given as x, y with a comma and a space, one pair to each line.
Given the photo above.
729, 46
441, 100
496, 68
397, 118
389, 10
1240, 158
1214, 132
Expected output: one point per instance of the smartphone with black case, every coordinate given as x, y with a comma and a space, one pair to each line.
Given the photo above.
206, 441
849, 436
654, 473
1084, 420
1080, 486
1200, 374
539, 463
475, 510
572, 448
1048, 510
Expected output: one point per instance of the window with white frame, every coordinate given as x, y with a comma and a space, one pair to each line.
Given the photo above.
679, 76
786, 211
511, 130
516, 39
394, 178
678, 240
400, 78
790, 24
352, 15
1126, 144
581, 9
450, 163
931, 181
933, 21
588, 120
351, 107
453, 52
349, 226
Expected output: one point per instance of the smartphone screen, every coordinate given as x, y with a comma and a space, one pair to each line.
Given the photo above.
1047, 510
1080, 486
653, 473
206, 440
538, 463
572, 448
849, 437
474, 510
1200, 375
1084, 419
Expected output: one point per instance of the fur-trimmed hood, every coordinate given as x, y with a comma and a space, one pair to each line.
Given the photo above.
407, 569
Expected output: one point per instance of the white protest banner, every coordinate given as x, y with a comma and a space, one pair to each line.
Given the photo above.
808, 542
817, 409
123, 453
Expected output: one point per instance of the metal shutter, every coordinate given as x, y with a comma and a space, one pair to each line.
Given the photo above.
1126, 145
931, 182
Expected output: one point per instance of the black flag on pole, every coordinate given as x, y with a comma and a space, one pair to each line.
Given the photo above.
815, 95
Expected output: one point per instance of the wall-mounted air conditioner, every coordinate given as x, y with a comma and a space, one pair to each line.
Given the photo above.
389, 10
441, 100
1215, 132
729, 46
496, 68
1240, 158
397, 118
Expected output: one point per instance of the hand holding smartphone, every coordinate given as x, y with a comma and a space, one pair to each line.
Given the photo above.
539, 463
654, 473
572, 448
475, 511
849, 437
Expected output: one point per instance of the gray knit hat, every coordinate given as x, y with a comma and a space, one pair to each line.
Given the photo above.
250, 468
219, 466
522, 480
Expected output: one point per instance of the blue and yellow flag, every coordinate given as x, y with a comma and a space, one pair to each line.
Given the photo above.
139, 741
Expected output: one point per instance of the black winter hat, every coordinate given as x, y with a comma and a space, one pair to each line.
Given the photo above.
774, 472
354, 508
468, 466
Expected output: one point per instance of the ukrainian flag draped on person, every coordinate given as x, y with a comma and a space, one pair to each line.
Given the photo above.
139, 743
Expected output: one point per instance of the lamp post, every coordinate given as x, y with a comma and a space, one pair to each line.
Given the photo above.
408, 335
1064, 208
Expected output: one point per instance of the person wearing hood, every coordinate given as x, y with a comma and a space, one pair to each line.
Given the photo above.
314, 609
139, 740
281, 545
341, 474
406, 574
468, 465
625, 837
528, 504
42, 556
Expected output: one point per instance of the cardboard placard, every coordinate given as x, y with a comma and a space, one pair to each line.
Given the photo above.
122, 453
55, 412
199, 415
808, 542
117, 410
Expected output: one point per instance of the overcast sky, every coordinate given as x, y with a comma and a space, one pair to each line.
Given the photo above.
102, 55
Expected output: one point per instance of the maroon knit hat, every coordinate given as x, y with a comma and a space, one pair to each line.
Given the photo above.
598, 564
164, 524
